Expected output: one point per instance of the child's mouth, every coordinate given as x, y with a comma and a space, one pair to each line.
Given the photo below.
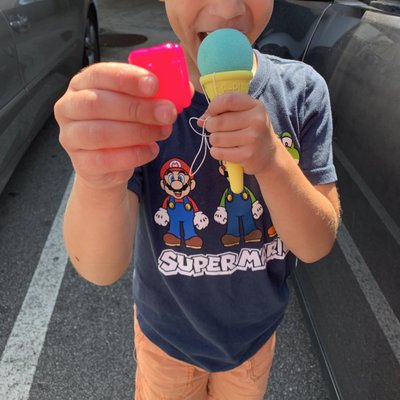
202, 35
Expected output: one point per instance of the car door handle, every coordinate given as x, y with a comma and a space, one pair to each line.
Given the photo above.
19, 23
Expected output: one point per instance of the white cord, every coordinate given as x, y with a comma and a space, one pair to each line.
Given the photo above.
204, 142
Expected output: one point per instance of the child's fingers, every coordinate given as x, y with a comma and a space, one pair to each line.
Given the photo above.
97, 163
234, 101
233, 121
119, 77
228, 139
233, 154
106, 105
98, 134
235, 129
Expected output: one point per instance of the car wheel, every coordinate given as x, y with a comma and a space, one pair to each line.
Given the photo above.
91, 52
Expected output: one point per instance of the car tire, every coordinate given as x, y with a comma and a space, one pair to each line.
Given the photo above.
91, 50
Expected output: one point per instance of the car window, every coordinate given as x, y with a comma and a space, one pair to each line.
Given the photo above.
385, 5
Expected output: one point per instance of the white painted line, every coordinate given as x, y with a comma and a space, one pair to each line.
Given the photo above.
21, 355
387, 220
384, 314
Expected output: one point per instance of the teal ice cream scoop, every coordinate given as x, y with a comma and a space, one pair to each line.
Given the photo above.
225, 50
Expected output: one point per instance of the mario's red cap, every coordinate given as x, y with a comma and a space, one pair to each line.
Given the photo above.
175, 164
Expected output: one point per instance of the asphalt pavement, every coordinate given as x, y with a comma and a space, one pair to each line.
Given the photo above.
62, 337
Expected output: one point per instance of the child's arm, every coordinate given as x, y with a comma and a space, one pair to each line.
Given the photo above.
108, 125
98, 231
306, 217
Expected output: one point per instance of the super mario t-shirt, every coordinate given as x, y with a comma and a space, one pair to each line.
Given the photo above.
209, 268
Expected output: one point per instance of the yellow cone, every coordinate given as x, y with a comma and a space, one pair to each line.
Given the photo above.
226, 82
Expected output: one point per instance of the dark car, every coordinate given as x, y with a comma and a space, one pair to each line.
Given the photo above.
42, 44
352, 297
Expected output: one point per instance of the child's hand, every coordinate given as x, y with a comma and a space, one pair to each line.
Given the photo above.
240, 131
109, 124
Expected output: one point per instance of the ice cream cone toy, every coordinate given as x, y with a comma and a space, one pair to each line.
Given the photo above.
225, 60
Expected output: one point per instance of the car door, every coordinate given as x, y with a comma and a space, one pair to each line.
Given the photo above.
11, 80
353, 295
40, 53
40, 34
11, 88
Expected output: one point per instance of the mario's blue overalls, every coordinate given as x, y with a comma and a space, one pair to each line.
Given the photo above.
181, 213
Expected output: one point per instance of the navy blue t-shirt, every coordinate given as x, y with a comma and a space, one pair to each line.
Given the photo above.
209, 268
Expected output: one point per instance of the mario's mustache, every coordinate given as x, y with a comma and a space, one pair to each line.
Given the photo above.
184, 187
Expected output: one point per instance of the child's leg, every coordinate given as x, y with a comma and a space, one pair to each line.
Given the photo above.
246, 382
159, 376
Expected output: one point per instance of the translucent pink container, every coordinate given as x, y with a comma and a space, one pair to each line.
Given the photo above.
168, 63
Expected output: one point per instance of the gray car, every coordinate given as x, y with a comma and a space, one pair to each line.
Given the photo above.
42, 44
352, 297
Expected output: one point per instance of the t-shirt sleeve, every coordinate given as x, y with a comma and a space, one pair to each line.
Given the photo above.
316, 159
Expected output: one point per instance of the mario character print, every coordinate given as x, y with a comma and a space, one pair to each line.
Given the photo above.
179, 211
236, 211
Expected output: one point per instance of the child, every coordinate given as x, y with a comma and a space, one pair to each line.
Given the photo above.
210, 265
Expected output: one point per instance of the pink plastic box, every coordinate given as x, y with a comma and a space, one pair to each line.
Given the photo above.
168, 63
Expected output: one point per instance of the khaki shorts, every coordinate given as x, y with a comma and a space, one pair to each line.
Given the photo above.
161, 377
